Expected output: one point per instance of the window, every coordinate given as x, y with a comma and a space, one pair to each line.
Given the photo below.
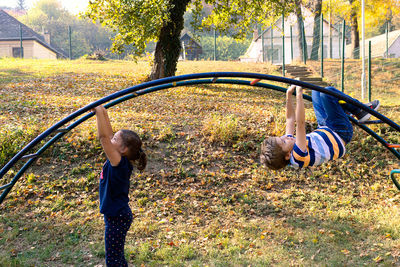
273, 54
17, 52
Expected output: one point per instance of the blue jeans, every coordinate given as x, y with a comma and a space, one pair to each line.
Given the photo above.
332, 114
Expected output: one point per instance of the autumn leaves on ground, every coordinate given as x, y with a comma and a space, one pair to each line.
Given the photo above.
204, 199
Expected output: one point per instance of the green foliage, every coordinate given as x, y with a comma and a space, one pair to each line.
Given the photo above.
12, 140
139, 22
48, 15
236, 17
227, 47
135, 22
377, 13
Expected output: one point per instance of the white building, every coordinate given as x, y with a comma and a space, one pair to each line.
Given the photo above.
378, 45
271, 38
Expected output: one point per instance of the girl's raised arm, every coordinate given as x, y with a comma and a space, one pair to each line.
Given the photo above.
105, 134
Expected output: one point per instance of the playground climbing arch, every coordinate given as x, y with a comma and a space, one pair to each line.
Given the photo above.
32, 151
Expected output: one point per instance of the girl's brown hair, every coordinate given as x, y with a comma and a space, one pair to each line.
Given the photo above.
135, 153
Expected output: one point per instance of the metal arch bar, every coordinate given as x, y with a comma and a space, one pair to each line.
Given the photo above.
263, 85
163, 84
393, 145
9, 186
396, 183
166, 86
174, 79
376, 136
372, 122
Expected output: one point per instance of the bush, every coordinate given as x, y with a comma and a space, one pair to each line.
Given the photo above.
227, 48
13, 140
96, 55
222, 129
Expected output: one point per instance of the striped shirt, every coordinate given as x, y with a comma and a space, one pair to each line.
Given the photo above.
323, 145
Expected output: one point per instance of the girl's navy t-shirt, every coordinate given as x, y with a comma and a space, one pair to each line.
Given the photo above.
114, 187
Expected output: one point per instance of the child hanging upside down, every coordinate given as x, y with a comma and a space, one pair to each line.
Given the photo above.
324, 144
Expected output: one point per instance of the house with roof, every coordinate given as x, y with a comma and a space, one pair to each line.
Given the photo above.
17, 39
379, 44
269, 44
191, 50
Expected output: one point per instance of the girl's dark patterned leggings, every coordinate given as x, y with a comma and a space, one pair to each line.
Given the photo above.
114, 237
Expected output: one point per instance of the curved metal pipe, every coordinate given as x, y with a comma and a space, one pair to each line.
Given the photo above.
396, 183
169, 82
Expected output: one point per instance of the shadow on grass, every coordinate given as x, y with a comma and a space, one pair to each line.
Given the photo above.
14, 75
249, 91
335, 242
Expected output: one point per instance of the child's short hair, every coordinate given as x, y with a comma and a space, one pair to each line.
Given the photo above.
272, 154
135, 153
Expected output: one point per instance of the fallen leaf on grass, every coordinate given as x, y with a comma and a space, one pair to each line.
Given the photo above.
172, 244
345, 252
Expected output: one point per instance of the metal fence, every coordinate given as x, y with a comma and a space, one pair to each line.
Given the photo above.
315, 42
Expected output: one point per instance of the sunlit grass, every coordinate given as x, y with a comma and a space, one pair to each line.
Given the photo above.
384, 78
204, 199
223, 129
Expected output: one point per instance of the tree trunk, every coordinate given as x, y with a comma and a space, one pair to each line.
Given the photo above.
355, 35
168, 46
300, 28
316, 30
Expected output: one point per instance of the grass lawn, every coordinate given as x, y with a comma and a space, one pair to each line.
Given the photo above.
204, 199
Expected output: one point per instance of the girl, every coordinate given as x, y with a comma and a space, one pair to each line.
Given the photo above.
120, 148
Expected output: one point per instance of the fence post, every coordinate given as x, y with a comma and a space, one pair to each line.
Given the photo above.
330, 34
291, 42
369, 71
283, 45
21, 48
183, 51
340, 43
70, 42
215, 45
343, 51
322, 44
262, 44
272, 45
304, 43
387, 39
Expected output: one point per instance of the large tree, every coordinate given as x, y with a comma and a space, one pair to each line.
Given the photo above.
21, 4
168, 46
300, 29
355, 33
139, 21
317, 9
